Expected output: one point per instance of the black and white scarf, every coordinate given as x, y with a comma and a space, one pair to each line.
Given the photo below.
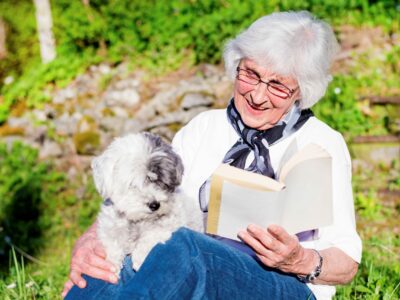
256, 141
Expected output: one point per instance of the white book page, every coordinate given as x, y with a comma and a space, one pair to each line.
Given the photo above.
241, 206
308, 196
291, 150
311, 151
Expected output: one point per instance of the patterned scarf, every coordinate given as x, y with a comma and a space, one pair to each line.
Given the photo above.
258, 142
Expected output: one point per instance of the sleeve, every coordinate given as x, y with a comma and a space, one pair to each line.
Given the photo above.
185, 141
342, 234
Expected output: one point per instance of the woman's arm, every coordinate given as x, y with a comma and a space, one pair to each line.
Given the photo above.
89, 257
277, 249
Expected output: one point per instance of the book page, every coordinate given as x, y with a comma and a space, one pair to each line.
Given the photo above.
241, 206
308, 196
247, 179
291, 150
311, 151
239, 198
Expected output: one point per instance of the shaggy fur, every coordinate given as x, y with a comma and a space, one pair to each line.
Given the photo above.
138, 176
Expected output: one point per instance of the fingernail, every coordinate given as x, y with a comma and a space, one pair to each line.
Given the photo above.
113, 269
81, 284
113, 278
251, 228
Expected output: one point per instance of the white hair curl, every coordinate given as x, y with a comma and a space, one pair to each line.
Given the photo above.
292, 44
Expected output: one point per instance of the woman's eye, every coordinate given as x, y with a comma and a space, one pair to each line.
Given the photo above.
252, 74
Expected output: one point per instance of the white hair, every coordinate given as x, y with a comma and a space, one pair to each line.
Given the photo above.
291, 44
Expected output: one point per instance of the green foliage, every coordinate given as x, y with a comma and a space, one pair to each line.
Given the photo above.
27, 190
35, 85
379, 273
339, 107
20, 194
42, 214
22, 41
152, 34
19, 288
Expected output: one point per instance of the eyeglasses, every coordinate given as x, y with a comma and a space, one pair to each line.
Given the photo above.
274, 87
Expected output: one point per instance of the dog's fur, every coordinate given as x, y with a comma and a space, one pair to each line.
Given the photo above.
137, 176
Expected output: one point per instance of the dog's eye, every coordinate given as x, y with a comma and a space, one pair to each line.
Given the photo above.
154, 205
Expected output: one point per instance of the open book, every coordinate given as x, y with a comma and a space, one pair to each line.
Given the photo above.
300, 200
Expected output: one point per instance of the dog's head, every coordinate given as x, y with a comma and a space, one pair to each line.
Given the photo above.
138, 174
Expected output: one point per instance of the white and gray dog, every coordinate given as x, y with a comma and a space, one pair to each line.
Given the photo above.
137, 176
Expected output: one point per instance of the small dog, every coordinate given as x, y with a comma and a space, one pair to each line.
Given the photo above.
137, 176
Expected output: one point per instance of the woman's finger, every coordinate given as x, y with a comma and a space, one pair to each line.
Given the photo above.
254, 243
265, 238
281, 234
99, 250
100, 263
67, 286
76, 278
100, 273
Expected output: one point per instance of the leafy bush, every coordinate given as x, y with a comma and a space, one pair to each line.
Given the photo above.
339, 107
23, 197
153, 34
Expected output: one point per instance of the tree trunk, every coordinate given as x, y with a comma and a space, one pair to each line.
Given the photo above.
3, 39
44, 27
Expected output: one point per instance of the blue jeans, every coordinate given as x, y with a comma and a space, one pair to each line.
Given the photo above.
192, 265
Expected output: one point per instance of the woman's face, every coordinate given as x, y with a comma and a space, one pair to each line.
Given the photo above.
261, 106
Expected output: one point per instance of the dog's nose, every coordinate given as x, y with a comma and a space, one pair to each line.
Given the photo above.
154, 205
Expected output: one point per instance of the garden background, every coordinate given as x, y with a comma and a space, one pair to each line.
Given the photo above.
123, 66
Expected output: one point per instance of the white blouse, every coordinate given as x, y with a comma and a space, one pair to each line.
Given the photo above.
204, 141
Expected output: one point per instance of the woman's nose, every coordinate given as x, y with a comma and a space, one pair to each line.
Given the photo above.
260, 94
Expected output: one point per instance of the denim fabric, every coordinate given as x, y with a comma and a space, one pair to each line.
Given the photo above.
192, 265
98, 289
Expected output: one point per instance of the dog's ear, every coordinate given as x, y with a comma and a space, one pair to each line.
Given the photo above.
164, 167
102, 174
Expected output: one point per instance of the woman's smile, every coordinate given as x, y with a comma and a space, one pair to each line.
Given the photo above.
257, 108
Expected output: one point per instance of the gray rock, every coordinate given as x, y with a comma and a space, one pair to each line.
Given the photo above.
37, 134
126, 84
50, 149
104, 69
192, 100
112, 124
120, 112
125, 98
21, 122
133, 126
39, 115
65, 125
176, 117
168, 99
64, 95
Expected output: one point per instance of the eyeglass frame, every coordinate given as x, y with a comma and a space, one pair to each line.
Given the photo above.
267, 83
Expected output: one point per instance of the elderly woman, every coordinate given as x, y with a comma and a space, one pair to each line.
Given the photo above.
280, 67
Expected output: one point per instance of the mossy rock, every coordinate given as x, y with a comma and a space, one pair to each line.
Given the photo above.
87, 124
6, 130
86, 142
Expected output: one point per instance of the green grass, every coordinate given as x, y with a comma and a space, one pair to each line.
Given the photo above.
66, 215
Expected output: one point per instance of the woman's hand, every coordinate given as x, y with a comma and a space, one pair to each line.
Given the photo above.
278, 249
89, 257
